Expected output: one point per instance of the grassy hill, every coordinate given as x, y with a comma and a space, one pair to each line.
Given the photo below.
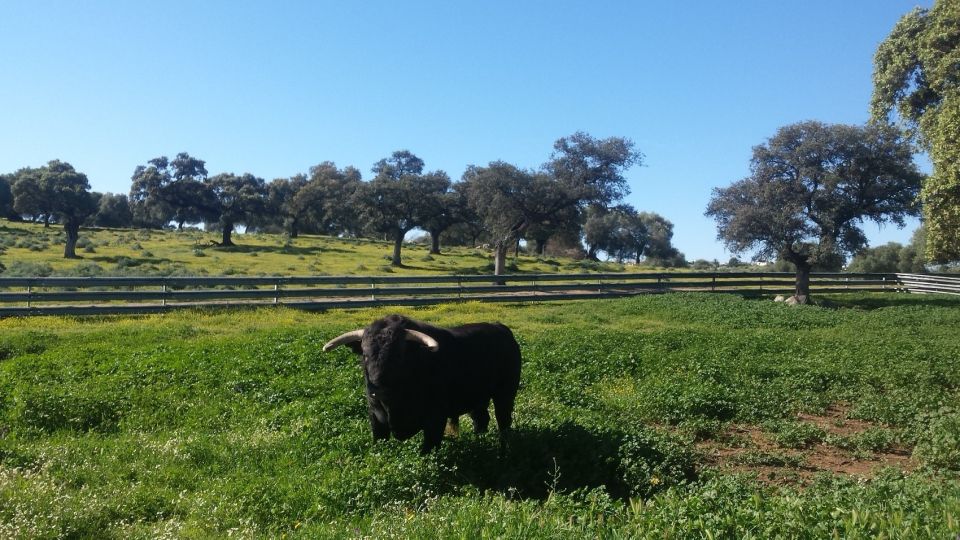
30, 249
662, 416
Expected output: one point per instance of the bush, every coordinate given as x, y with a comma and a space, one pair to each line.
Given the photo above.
651, 461
795, 434
28, 269
938, 447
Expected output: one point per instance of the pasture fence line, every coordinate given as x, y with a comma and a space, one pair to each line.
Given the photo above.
21, 296
930, 283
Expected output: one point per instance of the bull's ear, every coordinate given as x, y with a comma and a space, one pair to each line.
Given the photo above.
352, 339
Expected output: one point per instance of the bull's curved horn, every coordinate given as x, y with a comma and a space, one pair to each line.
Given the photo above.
343, 339
420, 337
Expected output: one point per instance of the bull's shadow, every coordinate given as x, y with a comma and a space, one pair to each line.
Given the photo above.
538, 460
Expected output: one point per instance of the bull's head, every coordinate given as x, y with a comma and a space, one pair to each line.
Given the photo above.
387, 348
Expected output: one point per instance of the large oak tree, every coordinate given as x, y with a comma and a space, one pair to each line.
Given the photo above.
811, 187
394, 202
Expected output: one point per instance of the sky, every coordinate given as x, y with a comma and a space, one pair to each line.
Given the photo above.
272, 88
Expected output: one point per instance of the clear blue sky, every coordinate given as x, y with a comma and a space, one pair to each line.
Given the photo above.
272, 88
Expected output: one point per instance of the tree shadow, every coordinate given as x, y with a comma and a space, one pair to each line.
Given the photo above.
16, 232
129, 261
285, 250
538, 460
899, 300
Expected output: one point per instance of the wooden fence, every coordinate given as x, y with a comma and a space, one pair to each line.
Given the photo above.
102, 295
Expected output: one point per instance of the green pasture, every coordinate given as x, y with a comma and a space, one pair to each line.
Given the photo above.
233, 423
28, 249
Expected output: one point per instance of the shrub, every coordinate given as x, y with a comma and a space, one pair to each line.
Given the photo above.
651, 461
28, 269
795, 434
938, 447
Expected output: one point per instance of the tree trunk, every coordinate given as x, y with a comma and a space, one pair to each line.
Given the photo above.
179, 226
72, 229
541, 246
46, 221
500, 259
294, 229
397, 246
802, 289
434, 242
227, 231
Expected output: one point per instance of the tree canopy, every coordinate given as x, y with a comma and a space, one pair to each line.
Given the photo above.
916, 75
239, 200
167, 190
395, 201
811, 187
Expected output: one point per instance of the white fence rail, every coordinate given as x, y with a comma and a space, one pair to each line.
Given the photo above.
930, 283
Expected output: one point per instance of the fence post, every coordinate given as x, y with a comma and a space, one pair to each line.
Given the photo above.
373, 289
459, 288
713, 284
276, 292
29, 292
163, 289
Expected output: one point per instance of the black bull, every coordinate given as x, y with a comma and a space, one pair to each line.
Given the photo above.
418, 376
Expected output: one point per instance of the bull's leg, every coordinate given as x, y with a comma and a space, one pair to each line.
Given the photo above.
481, 419
432, 433
380, 429
503, 409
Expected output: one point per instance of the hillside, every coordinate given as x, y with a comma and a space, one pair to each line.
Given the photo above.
28, 249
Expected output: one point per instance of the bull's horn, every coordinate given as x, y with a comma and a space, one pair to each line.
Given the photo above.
343, 339
429, 342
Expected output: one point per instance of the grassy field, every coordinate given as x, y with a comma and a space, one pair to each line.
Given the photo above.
668, 416
28, 249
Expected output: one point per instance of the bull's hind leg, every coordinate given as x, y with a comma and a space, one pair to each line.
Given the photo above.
503, 409
481, 419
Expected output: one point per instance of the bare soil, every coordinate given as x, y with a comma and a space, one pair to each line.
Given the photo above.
747, 448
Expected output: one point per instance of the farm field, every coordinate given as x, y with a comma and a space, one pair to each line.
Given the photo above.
658, 416
27, 249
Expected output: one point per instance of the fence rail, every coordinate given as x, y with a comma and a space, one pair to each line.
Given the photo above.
930, 283
103, 295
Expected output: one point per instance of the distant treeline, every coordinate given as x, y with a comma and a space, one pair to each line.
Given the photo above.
571, 205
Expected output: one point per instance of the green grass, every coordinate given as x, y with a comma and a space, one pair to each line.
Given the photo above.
233, 423
28, 249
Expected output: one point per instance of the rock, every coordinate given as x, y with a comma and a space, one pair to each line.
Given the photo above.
779, 298
796, 300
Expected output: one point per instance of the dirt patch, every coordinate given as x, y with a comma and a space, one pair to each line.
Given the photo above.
749, 448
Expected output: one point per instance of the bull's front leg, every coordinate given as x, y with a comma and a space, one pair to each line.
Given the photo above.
378, 424
433, 433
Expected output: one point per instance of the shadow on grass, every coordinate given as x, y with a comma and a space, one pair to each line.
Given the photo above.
892, 300
539, 460
284, 250
18, 232
129, 261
